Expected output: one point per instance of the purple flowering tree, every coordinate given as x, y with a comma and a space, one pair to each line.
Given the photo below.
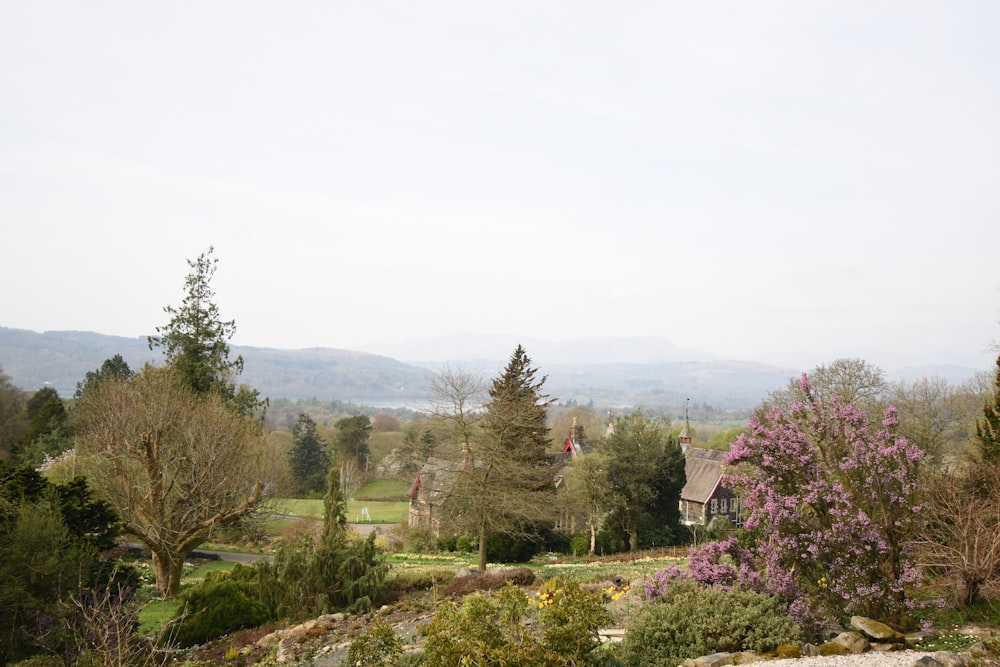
833, 499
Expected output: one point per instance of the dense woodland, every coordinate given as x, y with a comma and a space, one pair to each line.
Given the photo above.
860, 496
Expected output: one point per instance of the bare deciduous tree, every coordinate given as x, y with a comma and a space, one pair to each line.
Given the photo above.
174, 465
961, 534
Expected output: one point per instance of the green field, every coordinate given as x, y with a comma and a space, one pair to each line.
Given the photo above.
379, 511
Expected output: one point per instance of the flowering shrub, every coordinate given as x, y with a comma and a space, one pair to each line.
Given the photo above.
834, 501
724, 563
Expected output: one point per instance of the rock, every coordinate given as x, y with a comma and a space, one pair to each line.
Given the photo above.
926, 661
746, 657
876, 630
466, 571
952, 659
714, 660
810, 650
885, 647
852, 642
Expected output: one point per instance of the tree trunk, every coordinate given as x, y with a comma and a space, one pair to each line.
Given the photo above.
482, 548
168, 568
633, 530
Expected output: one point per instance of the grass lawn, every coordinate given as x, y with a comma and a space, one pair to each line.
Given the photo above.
379, 511
157, 613
384, 489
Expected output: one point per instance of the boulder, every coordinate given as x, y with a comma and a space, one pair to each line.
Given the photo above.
926, 661
875, 630
852, 642
714, 660
952, 659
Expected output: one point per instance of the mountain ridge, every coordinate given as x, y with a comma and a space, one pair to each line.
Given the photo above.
606, 372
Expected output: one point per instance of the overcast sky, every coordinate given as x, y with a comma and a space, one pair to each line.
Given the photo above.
788, 182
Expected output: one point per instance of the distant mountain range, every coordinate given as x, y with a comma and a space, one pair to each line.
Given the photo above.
609, 372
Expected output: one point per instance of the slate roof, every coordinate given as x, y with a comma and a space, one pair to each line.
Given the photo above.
703, 468
435, 479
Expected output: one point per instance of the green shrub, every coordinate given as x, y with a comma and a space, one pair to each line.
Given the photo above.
378, 647
222, 603
832, 648
464, 544
691, 622
556, 628
579, 545
789, 651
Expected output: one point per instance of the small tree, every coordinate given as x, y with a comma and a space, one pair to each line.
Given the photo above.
588, 489
835, 504
308, 458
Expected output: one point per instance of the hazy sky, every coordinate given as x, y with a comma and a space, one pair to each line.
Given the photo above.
781, 181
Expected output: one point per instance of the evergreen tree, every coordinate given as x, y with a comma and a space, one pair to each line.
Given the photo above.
988, 429
196, 341
48, 427
646, 474
352, 438
506, 487
308, 458
114, 368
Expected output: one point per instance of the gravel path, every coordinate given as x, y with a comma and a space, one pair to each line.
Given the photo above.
867, 659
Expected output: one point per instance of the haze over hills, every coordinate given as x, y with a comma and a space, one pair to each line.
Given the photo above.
606, 372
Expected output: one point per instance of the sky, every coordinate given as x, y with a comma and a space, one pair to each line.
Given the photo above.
786, 182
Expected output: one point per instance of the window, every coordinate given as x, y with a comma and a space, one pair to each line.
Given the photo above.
722, 506
715, 506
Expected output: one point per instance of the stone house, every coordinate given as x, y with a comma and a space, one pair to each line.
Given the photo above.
704, 497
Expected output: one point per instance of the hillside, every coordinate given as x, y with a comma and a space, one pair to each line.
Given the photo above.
61, 359
607, 373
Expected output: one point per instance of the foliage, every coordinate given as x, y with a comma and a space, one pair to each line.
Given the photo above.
377, 647
960, 540
988, 428
174, 465
724, 564
493, 629
88, 519
44, 568
196, 341
588, 491
312, 576
308, 458
222, 603
48, 430
506, 484
114, 369
691, 620
645, 471
352, 438
835, 503
13, 423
